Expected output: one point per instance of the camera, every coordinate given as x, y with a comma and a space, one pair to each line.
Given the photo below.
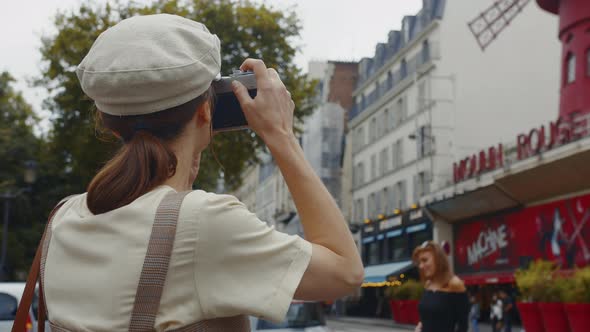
228, 114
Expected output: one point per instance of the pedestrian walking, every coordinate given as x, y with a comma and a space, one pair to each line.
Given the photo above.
474, 314
141, 250
496, 313
507, 310
444, 306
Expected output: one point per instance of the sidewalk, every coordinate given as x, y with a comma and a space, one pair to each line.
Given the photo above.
483, 327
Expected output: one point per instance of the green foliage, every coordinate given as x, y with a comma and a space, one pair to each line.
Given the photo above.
577, 287
17, 142
409, 290
245, 30
540, 283
17, 145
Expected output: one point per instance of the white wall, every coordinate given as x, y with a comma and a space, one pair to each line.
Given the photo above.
506, 89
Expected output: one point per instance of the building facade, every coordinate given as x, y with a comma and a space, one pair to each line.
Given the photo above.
524, 198
431, 94
435, 92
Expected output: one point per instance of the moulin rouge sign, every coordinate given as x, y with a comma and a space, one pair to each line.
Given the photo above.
559, 132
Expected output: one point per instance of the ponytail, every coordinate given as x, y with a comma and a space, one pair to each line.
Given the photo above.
145, 160
139, 166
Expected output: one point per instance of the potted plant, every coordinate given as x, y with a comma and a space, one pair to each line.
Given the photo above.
529, 282
403, 295
414, 290
550, 299
577, 300
404, 301
394, 302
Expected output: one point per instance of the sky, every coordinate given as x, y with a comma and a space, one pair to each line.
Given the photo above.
345, 30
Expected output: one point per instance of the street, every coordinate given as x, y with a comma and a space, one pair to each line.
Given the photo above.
355, 327
358, 325
350, 324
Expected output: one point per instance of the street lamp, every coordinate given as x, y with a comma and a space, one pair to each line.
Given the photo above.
30, 175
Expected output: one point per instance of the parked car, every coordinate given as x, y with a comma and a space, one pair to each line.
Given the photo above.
10, 295
301, 317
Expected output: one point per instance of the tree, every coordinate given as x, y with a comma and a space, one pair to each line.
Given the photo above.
17, 145
245, 30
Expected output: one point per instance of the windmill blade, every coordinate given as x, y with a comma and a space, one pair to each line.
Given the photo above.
488, 24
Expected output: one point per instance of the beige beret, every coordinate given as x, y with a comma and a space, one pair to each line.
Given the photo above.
146, 64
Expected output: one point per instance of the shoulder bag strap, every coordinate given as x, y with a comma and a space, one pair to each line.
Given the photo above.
22, 312
156, 262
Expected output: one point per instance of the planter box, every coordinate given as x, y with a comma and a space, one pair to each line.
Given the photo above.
531, 317
554, 317
412, 311
403, 312
394, 306
578, 315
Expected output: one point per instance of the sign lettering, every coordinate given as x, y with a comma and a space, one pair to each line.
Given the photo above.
488, 242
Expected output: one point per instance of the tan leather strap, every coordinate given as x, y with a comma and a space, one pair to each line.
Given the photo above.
155, 264
22, 312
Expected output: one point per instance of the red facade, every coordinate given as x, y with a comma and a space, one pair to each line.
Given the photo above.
574, 24
558, 231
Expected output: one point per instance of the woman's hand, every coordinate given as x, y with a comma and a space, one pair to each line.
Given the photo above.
270, 113
418, 327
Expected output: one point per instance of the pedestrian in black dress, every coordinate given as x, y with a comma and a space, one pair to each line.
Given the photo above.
444, 306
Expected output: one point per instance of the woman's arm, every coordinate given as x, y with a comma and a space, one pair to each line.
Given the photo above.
335, 268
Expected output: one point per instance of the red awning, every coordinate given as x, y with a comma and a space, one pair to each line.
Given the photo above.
488, 278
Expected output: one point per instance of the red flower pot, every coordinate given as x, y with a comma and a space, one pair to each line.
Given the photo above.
412, 312
578, 315
530, 316
554, 317
403, 312
394, 306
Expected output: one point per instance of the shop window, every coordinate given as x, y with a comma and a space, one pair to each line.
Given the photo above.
418, 238
570, 68
373, 252
397, 248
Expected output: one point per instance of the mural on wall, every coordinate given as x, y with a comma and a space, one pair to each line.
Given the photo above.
557, 231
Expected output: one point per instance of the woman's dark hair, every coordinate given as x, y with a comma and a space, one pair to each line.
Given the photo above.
145, 160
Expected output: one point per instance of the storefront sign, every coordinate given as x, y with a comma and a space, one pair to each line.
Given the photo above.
416, 214
391, 222
488, 242
478, 163
557, 231
559, 132
562, 131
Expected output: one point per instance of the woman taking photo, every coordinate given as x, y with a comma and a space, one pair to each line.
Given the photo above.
150, 77
444, 306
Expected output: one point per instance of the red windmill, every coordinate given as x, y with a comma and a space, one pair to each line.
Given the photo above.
574, 33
